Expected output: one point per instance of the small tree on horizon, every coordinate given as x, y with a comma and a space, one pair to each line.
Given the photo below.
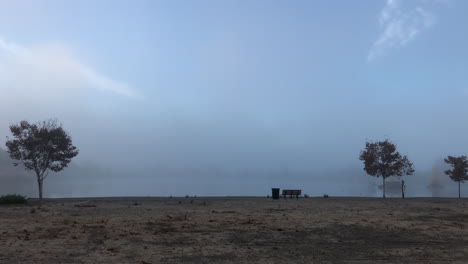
382, 160
459, 171
42, 147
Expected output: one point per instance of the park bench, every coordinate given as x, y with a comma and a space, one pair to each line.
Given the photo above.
291, 193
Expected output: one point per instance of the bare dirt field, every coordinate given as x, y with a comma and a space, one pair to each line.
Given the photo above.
235, 230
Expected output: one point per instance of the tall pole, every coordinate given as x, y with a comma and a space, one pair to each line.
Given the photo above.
403, 187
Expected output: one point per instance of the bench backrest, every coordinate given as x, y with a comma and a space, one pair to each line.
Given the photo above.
291, 192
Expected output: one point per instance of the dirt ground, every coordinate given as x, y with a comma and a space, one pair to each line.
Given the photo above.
236, 230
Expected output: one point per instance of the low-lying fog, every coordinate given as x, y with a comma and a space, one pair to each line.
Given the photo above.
90, 181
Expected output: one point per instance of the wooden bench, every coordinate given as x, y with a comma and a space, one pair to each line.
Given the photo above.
291, 193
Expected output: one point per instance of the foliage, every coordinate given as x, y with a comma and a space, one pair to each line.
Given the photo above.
41, 147
13, 199
381, 159
459, 171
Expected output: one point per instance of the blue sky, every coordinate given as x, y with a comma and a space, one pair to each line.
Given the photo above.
229, 84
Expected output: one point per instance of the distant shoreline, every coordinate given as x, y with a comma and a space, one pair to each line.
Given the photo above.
165, 198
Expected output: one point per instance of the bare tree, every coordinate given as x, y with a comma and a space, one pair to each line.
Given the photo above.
459, 172
42, 147
382, 160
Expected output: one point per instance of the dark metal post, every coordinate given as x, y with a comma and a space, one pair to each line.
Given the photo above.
403, 187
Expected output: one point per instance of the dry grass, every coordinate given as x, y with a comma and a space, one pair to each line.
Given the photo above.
257, 230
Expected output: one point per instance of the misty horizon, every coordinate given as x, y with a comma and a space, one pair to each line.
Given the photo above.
97, 181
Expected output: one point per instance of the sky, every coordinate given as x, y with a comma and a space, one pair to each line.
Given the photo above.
235, 97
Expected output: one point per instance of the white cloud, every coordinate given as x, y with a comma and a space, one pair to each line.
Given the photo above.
400, 25
48, 66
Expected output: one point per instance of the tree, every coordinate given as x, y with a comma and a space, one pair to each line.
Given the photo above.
42, 147
459, 172
382, 160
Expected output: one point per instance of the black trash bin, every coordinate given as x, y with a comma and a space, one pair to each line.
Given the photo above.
275, 193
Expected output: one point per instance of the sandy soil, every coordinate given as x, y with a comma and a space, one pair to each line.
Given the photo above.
253, 230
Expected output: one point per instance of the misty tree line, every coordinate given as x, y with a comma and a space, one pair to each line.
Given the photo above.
46, 147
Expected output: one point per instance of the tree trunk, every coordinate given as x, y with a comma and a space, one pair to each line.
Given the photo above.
403, 189
459, 190
383, 186
39, 185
